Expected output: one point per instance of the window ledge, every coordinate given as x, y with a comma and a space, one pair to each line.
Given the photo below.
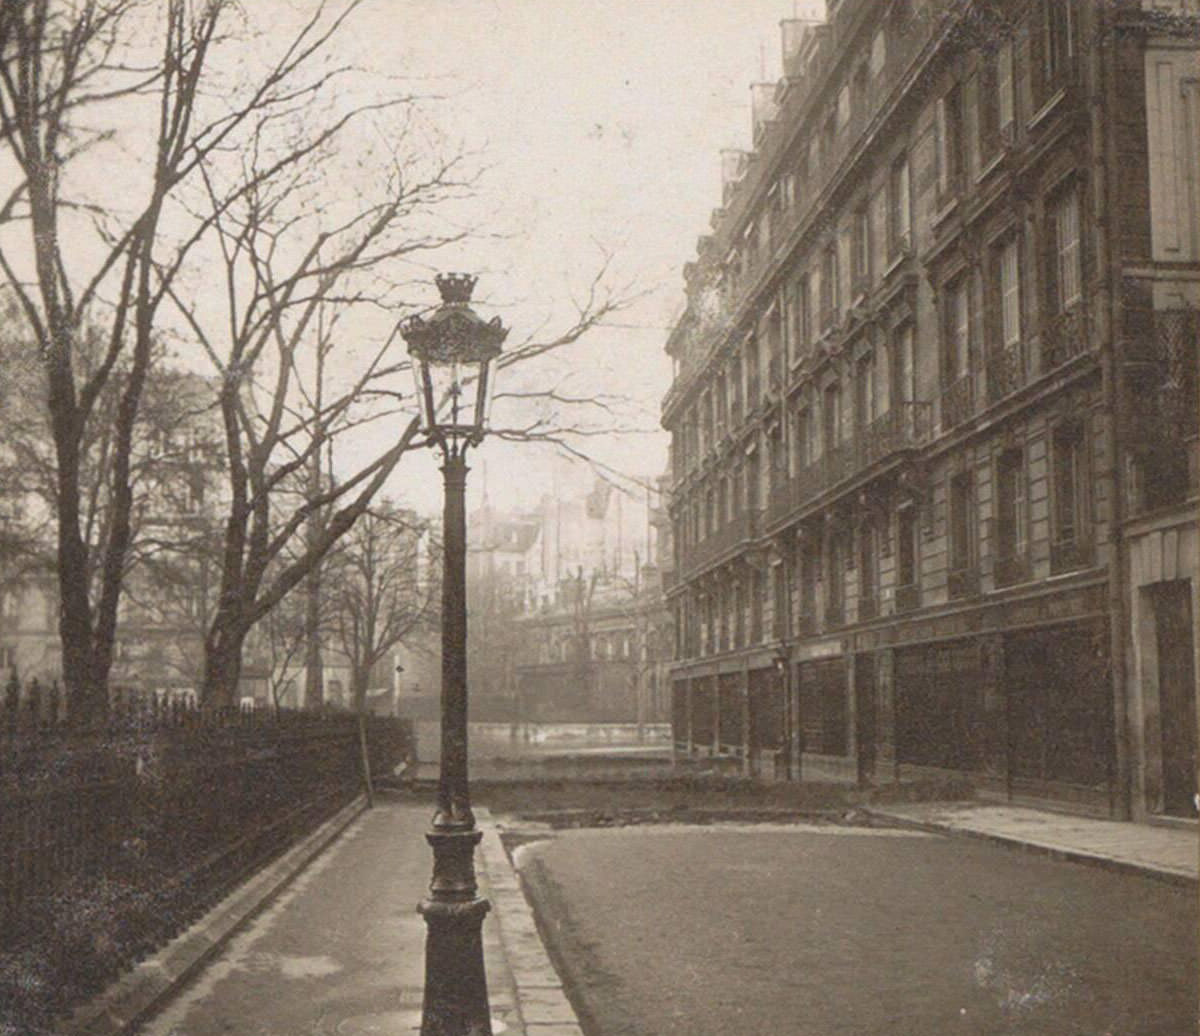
992, 164
1044, 111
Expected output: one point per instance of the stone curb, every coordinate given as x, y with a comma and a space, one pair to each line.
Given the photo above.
1110, 863
139, 992
541, 1001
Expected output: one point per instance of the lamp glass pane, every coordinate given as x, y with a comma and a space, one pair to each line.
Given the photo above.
421, 385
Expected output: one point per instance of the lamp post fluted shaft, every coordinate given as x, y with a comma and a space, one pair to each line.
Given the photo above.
456, 998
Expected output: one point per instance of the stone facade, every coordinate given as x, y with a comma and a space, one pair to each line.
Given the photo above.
918, 395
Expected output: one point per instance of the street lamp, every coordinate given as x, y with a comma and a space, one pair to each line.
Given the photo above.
452, 354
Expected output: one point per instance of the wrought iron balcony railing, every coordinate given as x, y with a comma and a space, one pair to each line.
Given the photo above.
1006, 371
963, 582
958, 401
1012, 568
738, 531
1070, 555
1064, 336
908, 597
902, 428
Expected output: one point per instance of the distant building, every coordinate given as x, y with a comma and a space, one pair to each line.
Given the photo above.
567, 622
171, 578
934, 411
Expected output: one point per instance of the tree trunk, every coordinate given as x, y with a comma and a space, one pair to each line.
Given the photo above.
222, 662
85, 681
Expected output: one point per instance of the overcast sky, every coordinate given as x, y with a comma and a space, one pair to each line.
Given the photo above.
600, 123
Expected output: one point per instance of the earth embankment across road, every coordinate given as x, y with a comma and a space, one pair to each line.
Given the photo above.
833, 930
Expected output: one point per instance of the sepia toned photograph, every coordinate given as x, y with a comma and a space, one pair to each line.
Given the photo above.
599, 517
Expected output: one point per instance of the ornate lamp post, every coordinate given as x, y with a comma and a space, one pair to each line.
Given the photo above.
452, 354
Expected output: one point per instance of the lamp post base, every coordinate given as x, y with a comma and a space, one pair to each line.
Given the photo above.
456, 997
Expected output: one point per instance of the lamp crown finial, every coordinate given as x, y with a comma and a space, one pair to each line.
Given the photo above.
455, 287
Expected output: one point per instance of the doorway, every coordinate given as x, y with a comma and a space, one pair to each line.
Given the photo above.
1176, 694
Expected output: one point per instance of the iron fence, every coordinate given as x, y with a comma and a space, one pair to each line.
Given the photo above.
113, 838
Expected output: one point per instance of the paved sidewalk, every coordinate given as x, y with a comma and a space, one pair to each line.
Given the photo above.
1169, 853
340, 949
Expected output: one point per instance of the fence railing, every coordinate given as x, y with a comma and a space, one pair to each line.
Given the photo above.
115, 837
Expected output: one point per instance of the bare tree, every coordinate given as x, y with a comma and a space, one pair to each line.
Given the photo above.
250, 179
380, 588
71, 72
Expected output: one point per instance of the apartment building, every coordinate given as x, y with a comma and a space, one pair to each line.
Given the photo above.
934, 409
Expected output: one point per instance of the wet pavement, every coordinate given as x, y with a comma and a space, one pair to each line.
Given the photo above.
341, 951
818, 930
1171, 852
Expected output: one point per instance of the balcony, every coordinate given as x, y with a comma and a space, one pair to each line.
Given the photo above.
781, 501
908, 597
835, 614
1162, 357
958, 402
775, 374
1012, 568
963, 582
1071, 555
1006, 372
902, 428
1064, 336
736, 533
753, 392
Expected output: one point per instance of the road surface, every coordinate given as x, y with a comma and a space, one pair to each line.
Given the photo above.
849, 932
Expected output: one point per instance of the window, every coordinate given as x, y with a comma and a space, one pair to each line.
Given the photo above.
1004, 295
862, 80
1010, 292
802, 313
829, 286
860, 251
803, 440
956, 331
949, 141
776, 457
735, 392
752, 386
810, 568
843, 107
752, 480
829, 135
757, 593
8, 658
905, 365
883, 380
899, 207
1005, 90
1060, 40
996, 100
1063, 267
780, 605
832, 413
961, 548
738, 493
835, 594
878, 52
906, 549
864, 390
868, 577
1011, 516
1068, 488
